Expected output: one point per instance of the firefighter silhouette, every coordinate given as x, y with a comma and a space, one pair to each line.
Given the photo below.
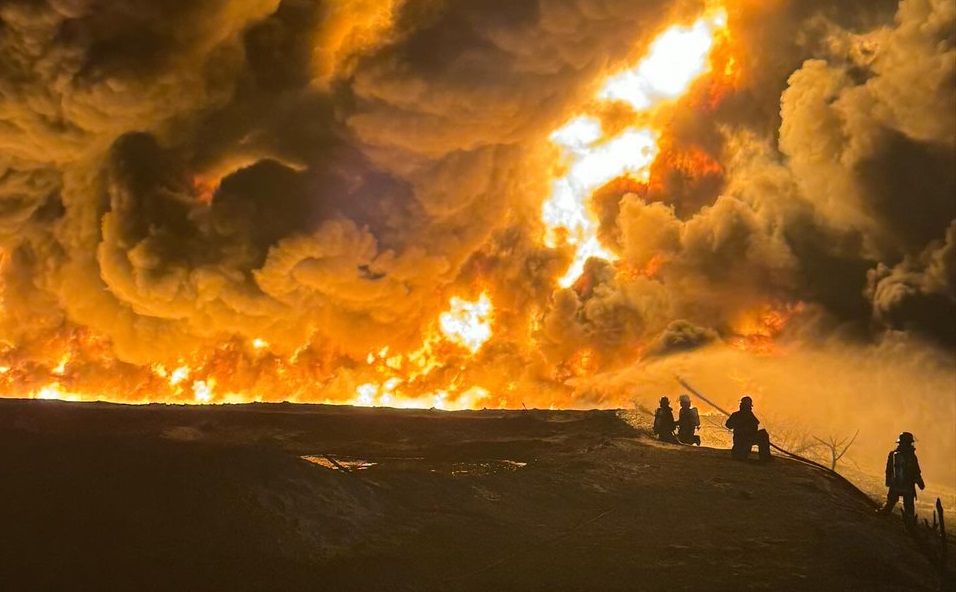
902, 477
664, 423
688, 422
746, 433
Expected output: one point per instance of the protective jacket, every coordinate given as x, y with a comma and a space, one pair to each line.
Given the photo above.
744, 424
664, 423
688, 421
746, 433
902, 470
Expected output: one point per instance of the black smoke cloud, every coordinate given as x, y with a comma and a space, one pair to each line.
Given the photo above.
360, 157
325, 175
920, 291
856, 178
682, 336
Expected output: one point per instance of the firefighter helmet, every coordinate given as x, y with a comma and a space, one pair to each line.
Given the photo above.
905, 438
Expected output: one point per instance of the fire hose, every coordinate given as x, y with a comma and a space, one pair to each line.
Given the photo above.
792, 455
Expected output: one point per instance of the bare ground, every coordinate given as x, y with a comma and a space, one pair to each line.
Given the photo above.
108, 497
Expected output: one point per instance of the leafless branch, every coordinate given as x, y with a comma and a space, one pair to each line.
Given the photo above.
837, 447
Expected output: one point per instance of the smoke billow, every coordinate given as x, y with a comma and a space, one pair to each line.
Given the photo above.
181, 180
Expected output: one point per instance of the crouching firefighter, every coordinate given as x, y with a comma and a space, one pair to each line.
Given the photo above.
902, 477
688, 422
664, 423
746, 433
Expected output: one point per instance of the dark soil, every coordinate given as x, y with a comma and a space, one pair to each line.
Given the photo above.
109, 497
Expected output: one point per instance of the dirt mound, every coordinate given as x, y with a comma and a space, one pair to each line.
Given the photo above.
300, 497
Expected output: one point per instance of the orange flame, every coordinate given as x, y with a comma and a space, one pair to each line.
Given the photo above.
465, 325
690, 163
678, 57
227, 374
204, 188
77, 364
757, 330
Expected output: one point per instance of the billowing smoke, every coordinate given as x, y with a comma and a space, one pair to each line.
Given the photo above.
282, 196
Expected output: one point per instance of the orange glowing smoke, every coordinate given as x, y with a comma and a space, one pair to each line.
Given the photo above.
3, 265
650, 269
756, 331
204, 189
583, 362
76, 364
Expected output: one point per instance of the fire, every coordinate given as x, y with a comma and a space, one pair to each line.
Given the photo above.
203, 390
730, 69
467, 323
384, 395
178, 375
61, 367
690, 163
3, 265
650, 269
582, 363
438, 369
55, 391
756, 331
677, 58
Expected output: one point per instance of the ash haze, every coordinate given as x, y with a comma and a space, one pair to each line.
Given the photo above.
236, 200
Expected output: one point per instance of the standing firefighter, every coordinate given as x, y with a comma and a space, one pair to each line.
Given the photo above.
746, 433
688, 422
902, 477
664, 423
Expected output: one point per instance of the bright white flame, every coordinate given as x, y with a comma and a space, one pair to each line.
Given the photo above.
591, 248
55, 391
238, 398
61, 367
676, 58
578, 134
467, 324
179, 374
202, 391
630, 153
674, 61
366, 394
374, 395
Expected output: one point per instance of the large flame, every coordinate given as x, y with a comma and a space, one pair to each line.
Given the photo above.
401, 380
678, 57
593, 151
466, 325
